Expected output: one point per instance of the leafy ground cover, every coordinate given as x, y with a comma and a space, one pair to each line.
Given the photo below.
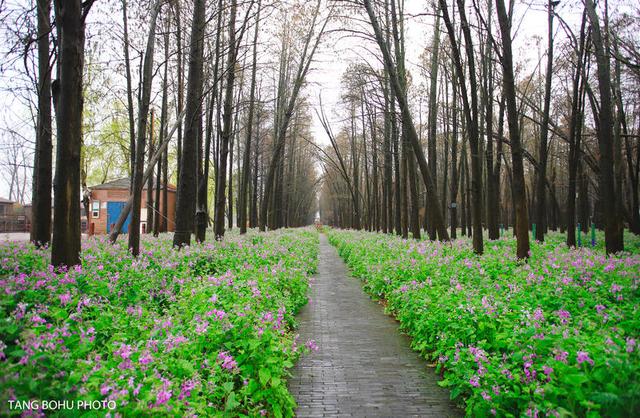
202, 331
557, 336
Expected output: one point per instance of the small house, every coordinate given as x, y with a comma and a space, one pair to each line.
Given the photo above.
107, 200
13, 217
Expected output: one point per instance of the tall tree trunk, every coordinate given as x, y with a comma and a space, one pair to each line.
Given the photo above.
613, 229
242, 198
151, 180
471, 114
575, 124
42, 168
519, 198
68, 102
544, 132
433, 113
162, 210
127, 68
143, 112
187, 187
454, 160
227, 121
253, 218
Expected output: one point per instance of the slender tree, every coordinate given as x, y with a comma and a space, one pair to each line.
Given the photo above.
42, 169
613, 228
521, 227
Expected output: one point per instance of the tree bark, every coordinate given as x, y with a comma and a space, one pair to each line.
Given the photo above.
127, 68
544, 132
227, 121
187, 186
613, 228
242, 193
519, 199
42, 169
68, 102
143, 111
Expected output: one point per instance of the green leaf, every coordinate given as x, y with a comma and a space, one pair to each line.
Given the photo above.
265, 375
231, 402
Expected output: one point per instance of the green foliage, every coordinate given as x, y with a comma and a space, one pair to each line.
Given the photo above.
203, 331
557, 336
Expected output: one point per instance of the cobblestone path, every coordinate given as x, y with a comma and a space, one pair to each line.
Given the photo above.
364, 365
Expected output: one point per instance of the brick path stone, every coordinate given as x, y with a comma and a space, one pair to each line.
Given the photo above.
364, 365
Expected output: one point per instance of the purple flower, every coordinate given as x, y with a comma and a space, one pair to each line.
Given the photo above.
163, 397
538, 315
583, 356
563, 315
227, 361
600, 308
311, 345
124, 351
474, 381
562, 356
631, 343
201, 328
65, 298
146, 357
186, 388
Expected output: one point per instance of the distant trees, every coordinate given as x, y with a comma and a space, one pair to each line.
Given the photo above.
471, 84
495, 142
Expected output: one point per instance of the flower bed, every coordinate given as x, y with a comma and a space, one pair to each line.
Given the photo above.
558, 336
201, 331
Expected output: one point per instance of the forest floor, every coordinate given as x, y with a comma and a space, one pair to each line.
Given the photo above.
364, 366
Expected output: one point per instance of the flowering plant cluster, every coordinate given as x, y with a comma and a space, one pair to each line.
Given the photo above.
556, 336
203, 331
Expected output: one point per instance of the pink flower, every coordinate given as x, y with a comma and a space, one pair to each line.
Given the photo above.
186, 388
562, 356
227, 361
163, 397
65, 298
146, 357
311, 345
124, 351
583, 356
201, 328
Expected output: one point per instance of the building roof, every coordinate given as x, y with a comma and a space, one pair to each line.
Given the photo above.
124, 183
3, 200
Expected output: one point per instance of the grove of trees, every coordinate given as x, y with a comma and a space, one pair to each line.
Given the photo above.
214, 96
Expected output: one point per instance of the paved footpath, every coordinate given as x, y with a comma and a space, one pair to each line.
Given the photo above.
364, 365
